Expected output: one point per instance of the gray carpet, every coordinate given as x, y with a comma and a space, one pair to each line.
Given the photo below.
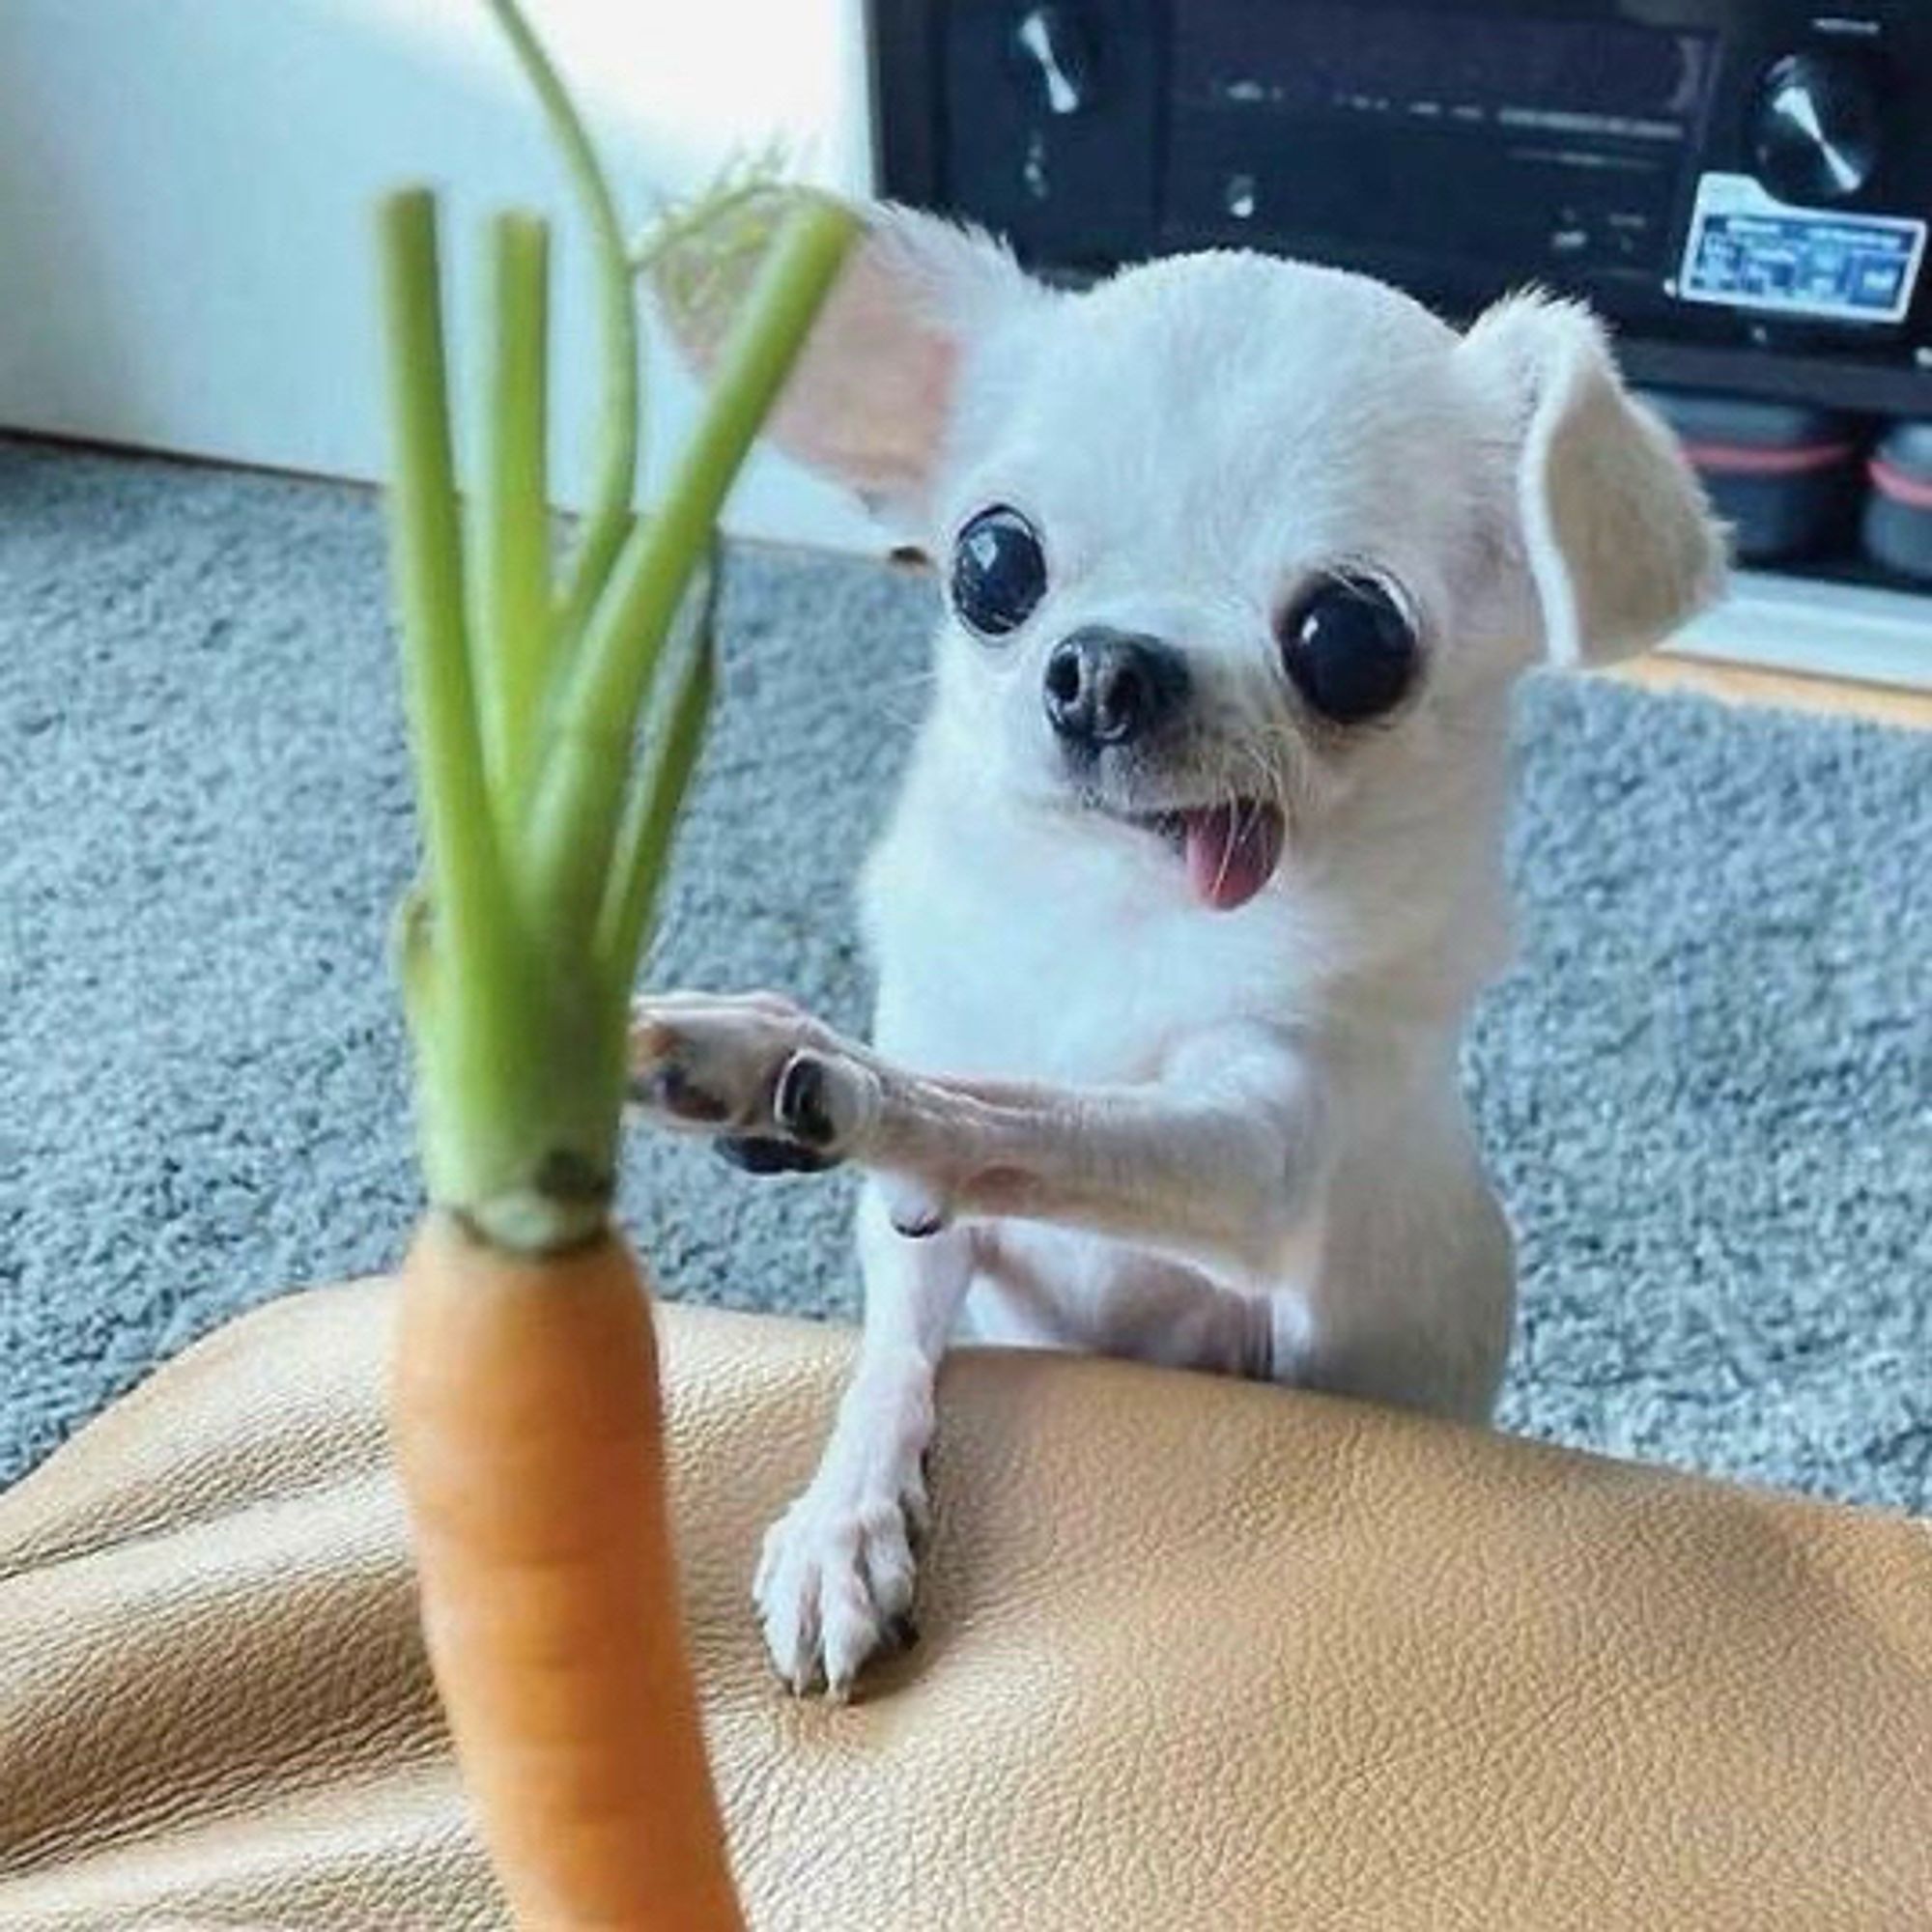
1705, 1091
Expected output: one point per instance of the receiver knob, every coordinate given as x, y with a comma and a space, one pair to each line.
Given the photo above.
1816, 133
1053, 52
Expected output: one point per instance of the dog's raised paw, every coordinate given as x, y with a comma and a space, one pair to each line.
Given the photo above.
783, 1093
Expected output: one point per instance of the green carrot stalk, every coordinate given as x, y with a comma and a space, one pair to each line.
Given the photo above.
512, 511
429, 575
643, 839
616, 428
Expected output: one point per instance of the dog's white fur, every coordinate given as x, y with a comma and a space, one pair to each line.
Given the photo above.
1232, 1141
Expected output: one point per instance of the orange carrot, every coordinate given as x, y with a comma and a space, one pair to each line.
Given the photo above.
528, 1434
524, 1401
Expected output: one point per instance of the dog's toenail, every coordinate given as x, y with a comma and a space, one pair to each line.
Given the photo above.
799, 1103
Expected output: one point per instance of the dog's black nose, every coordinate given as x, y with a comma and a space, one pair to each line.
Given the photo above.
1107, 688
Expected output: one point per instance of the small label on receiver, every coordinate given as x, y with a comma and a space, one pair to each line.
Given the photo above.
1748, 249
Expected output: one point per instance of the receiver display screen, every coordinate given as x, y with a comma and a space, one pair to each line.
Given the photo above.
1316, 57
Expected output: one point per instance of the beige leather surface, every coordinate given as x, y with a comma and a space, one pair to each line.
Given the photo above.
1196, 1653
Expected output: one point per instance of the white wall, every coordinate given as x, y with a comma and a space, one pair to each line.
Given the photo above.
186, 185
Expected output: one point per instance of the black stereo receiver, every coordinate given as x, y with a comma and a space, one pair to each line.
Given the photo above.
1742, 186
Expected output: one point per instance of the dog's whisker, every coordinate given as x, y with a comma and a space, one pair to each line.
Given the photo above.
1230, 844
1259, 784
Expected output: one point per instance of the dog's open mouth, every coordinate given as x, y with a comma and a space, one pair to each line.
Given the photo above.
1230, 850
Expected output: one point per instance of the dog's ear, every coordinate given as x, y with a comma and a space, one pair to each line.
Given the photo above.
1617, 536
870, 401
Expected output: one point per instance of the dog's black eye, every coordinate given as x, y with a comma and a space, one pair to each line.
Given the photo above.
998, 572
1349, 650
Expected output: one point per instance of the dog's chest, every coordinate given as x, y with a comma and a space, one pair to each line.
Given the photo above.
1004, 962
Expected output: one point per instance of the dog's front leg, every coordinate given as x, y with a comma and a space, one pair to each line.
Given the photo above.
1214, 1161
835, 1580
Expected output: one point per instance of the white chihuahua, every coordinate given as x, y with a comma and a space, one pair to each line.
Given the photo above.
1197, 867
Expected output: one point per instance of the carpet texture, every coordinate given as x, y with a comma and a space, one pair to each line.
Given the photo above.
1706, 1092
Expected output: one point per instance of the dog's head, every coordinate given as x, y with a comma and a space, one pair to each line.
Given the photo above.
1228, 540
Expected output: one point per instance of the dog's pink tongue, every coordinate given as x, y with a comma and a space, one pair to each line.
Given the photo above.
1231, 853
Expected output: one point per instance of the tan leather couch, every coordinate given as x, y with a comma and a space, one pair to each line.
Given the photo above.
1195, 1654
